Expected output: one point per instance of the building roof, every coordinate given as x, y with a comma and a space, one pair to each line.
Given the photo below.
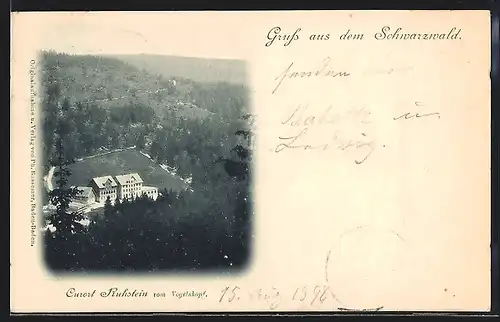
149, 188
102, 181
83, 191
129, 178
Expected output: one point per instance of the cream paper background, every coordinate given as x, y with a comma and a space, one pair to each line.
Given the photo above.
408, 229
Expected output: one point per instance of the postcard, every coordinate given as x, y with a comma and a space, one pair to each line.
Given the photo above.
250, 161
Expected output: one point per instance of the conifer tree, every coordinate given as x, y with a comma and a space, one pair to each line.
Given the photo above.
118, 204
62, 241
108, 208
66, 223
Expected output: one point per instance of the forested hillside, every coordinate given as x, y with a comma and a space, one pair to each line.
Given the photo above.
110, 104
94, 104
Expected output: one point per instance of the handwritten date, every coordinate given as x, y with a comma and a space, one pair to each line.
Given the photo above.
317, 294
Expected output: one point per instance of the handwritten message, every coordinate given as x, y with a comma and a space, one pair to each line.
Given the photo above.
336, 127
324, 69
338, 140
344, 130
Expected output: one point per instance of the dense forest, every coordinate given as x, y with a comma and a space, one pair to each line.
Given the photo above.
197, 120
92, 104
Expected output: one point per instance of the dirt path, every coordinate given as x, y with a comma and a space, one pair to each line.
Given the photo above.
49, 179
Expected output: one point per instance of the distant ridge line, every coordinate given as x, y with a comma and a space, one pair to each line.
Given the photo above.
173, 56
211, 70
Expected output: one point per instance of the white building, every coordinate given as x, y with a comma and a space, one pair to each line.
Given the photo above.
122, 187
104, 187
151, 192
85, 195
129, 185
